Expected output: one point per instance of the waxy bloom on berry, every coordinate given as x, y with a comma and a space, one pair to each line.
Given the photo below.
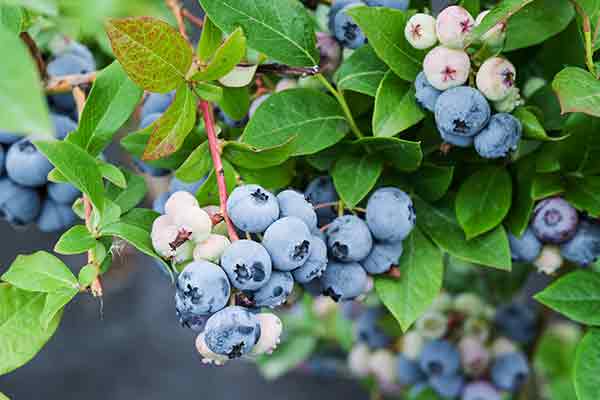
420, 31
496, 78
453, 25
446, 68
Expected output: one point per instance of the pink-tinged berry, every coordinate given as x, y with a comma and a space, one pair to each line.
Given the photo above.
382, 364
475, 358
270, 333
453, 25
330, 51
496, 35
164, 233
446, 68
412, 344
496, 78
420, 31
286, 84
180, 202
196, 222
358, 360
549, 260
212, 248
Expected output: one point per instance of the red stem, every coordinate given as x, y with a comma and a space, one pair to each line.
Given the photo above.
215, 153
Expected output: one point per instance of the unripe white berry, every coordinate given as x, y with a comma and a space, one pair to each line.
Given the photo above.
508, 104
566, 331
442, 303
549, 260
503, 346
496, 35
196, 221
286, 84
469, 304
211, 249
496, 78
432, 325
412, 344
420, 31
270, 333
358, 360
164, 232
323, 306
453, 25
474, 356
382, 364
179, 203
477, 328
446, 68
208, 356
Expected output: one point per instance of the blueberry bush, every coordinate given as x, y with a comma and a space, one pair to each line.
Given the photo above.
358, 187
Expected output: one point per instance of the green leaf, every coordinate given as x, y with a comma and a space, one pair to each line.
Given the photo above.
130, 197
421, 272
522, 203
47, 7
74, 241
235, 102
273, 178
11, 17
584, 194
153, 53
396, 108
402, 155
587, 363
361, 72
315, 118
532, 127
168, 133
208, 91
575, 295
87, 275
227, 56
112, 173
22, 335
472, 6
208, 193
384, 28
111, 214
197, 165
55, 302
536, 22
432, 182
3, 396
21, 96
577, 91
249, 157
499, 14
355, 175
288, 355
546, 185
283, 30
111, 102
80, 169
440, 224
210, 40
39, 272
483, 200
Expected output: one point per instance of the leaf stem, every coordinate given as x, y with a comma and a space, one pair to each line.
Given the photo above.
340, 98
587, 35
199, 22
177, 11
67, 83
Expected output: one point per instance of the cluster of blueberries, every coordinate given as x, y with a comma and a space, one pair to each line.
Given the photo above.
557, 232
26, 195
462, 348
462, 113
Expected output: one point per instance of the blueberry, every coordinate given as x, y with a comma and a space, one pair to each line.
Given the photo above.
321, 191
343, 281
382, 257
501, 136
313, 287
439, 358
252, 208
257, 103
156, 103
510, 371
247, 264
517, 321
293, 204
330, 53
480, 390
148, 169
461, 111
55, 217
417, 389
202, 289
408, 371
232, 332
63, 193
2, 159
63, 125
390, 214
525, 248
230, 122
397, 4
315, 264
349, 238
18, 205
336, 7
275, 292
288, 242
347, 32
67, 64
8, 138
177, 185
192, 321
426, 94
159, 202
79, 50
554, 220
149, 120
584, 247
368, 330
447, 386
457, 140
27, 166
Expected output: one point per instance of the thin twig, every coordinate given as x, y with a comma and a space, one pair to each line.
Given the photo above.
66, 83
587, 34
199, 22
286, 70
177, 11
35, 53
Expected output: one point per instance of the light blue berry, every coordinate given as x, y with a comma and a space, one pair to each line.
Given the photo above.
347, 31
439, 358
368, 330
510, 371
275, 292
63, 125
517, 321
156, 103
390, 214
461, 111
336, 7
26, 165
457, 140
67, 64
448, 387
232, 332
64, 193
8, 138
159, 202
426, 94
321, 191
480, 390
397, 4
349, 238
500, 137
554, 220
315, 264
177, 185
288, 242
252, 208
382, 257
584, 247
55, 217
202, 289
525, 248
247, 264
19, 205
343, 281
408, 371
293, 204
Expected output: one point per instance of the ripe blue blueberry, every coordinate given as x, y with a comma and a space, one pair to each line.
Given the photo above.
426, 94
397, 4
313, 287
349, 238
439, 358
55, 217
63, 125
417, 389
67, 64
584, 247
408, 371
368, 330
232, 332
554, 220
18, 205
27, 166
79, 50
480, 390
447, 386
8, 138
525, 248
510, 371
293, 204
156, 103
336, 8
247, 264
177, 185
321, 191
390, 214
382, 257
347, 32
192, 321
2, 160
230, 122
275, 292
63, 193
252, 208
159, 202
315, 264
148, 169
516, 321
202, 289
288, 242
500, 137
343, 281
457, 140
461, 111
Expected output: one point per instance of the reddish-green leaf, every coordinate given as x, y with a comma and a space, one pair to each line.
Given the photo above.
578, 91
226, 57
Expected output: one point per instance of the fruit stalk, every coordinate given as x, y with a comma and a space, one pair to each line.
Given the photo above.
215, 153
67, 83
340, 98
177, 11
